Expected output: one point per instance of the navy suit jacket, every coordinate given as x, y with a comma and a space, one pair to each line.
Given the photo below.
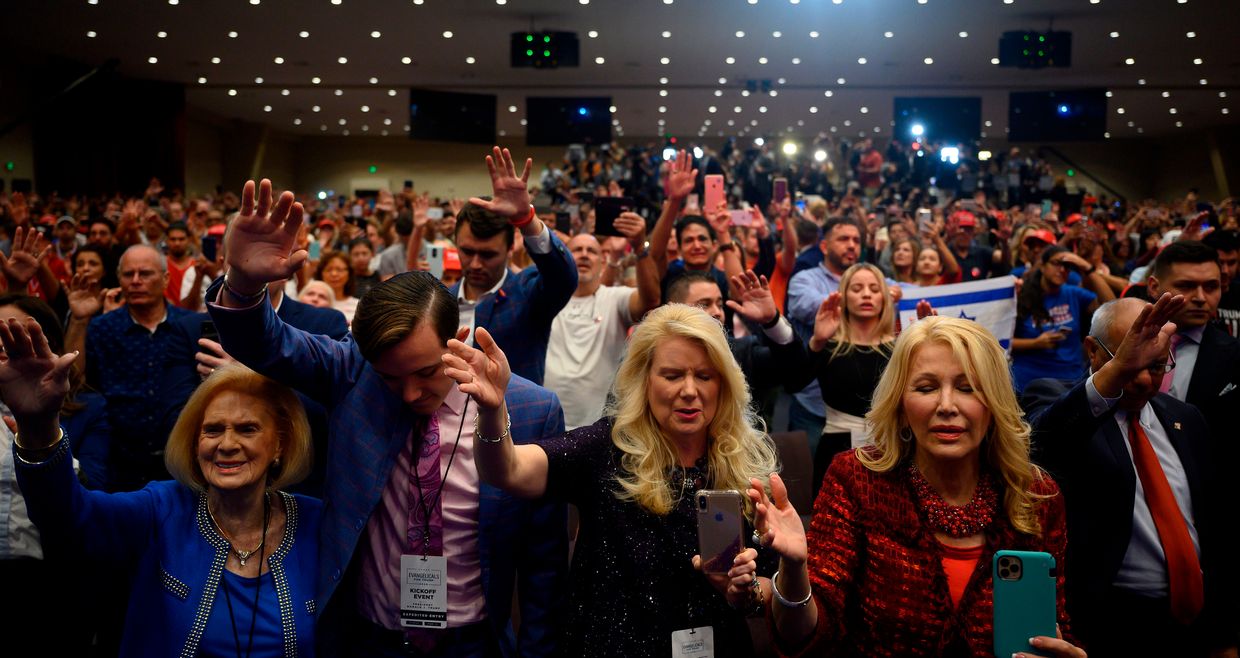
1088, 457
519, 315
521, 543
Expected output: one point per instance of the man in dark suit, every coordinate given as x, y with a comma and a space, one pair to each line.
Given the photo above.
517, 309
1147, 570
395, 506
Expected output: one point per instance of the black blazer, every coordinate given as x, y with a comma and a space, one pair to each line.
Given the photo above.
1088, 457
1214, 389
767, 364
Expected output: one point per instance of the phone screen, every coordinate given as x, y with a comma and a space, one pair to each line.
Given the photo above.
780, 191
315, 250
208, 247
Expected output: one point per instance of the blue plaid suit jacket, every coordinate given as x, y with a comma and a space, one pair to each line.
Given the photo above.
519, 315
521, 543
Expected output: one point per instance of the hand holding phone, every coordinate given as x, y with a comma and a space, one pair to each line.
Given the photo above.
607, 209
1024, 599
720, 529
714, 193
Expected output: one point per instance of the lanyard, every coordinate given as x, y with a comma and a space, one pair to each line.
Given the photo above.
417, 480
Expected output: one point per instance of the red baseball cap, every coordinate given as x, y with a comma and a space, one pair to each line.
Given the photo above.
326, 222
217, 230
1041, 234
964, 218
1073, 218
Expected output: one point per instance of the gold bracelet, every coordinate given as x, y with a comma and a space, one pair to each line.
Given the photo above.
47, 450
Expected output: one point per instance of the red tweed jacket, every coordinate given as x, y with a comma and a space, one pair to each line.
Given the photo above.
877, 570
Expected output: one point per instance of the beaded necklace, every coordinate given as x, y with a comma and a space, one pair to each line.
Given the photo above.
956, 520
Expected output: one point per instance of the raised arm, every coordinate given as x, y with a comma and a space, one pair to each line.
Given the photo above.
413, 250
646, 296
681, 179
483, 374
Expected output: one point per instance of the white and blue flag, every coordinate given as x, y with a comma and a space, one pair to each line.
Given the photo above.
989, 302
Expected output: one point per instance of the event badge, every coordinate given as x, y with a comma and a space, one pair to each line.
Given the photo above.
424, 591
694, 643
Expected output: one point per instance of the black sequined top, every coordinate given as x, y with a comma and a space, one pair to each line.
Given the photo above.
632, 579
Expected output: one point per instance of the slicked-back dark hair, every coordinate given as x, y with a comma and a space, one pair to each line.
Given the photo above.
1182, 251
484, 224
678, 289
391, 310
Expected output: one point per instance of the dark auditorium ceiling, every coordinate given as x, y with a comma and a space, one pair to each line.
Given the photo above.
343, 66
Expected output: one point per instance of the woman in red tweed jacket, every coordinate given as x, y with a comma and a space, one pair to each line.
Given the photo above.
899, 551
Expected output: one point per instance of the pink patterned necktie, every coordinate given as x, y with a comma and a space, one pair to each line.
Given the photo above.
1169, 377
425, 531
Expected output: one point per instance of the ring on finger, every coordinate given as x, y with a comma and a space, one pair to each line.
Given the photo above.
757, 539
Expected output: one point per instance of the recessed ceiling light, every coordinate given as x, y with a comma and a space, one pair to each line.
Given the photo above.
1166, 94
782, 81
375, 34
304, 34
1179, 124
928, 60
599, 60
813, 109
662, 81
1197, 61
796, 60
202, 81
664, 60
1225, 111
470, 60
584, 2
667, 34
161, 34
740, 34
297, 122
1130, 61
762, 109
374, 81
1141, 81
266, 108
762, 60
813, 34
593, 34
861, 60
777, 34
340, 92
663, 92
1119, 110
994, 60
745, 93
1191, 35
730, 60
712, 109
215, 60
1222, 94
343, 121
889, 34
391, 92
718, 92
284, 92
662, 109
255, 2
964, 35
315, 108
171, 2
1203, 82
278, 60
447, 34
1115, 35
152, 60
737, 109
512, 108
828, 93
258, 80
387, 122
501, 2
365, 108
406, 60
1109, 94
988, 124
232, 34
342, 60
90, 34
523, 122
232, 92
1172, 110
315, 80
865, 110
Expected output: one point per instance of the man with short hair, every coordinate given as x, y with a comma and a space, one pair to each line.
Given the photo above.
1227, 244
976, 261
841, 247
517, 309
181, 275
125, 355
588, 336
1148, 556
400, 503
393, 259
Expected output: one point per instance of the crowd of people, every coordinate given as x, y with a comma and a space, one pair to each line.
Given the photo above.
239, 407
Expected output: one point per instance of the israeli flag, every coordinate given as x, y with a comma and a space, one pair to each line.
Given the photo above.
989, 302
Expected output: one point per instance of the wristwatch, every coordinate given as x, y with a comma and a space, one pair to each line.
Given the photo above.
645, 251
727, 246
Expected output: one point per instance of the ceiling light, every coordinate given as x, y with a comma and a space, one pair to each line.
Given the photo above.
365, 108
297, 122
215, 60
254, 2
1172, 111
988, 124
718, 92
512, 108
1203, 82
1222, 94
865, 110
762, 109
340, 92
662, 81
1109, 94
737, 109
839, 81
828, 93
1191, 35
501, 2
664, 60
278, 60
593, 34
723, 81
964, 35
1197, 61
266, 108
745, 93
928, 60
90, 34
152, 60
1120, 110
777, 34
663, 92
258, 80
343, 121
447, 34
820, 156
304, 34
342, 60
1166, 94
813, 109
814, 34
323, 127
712, 109
1141, 81
315, 108
284, 92
391, 92
161, 34
202, 81
667, 34
232, 35
758, 141
171, 2
762, 60
232, 92
406, 60
387, 122
315, 80
374, 81
662, 109
376, 34
1115, 35
1225, 111
730, 60
1179, 124
861, 60
470, 60
1130, 61
774, 93
994, 60
790, 148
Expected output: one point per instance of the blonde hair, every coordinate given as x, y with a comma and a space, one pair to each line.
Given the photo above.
1005, 449
292, 428
844, 338
738, 447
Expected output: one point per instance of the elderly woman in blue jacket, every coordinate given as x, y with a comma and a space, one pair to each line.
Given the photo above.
221, 562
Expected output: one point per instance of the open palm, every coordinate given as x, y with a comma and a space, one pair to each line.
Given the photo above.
777, 522
33, 380
510, 195
261, 240
827, 320
682, 177
756, 302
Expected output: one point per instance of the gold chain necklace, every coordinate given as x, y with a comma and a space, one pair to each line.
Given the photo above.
242, 556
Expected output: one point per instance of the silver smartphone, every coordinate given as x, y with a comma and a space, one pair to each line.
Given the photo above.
721, 527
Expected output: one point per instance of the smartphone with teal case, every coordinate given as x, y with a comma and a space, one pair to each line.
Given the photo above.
1024, 599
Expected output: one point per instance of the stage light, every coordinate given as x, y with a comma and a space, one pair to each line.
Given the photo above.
917, 130
790, 148
820, 156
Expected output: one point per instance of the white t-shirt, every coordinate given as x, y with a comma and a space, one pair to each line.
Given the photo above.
586, 346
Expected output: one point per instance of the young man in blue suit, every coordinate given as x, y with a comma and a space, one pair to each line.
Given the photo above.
402, 500
517, 309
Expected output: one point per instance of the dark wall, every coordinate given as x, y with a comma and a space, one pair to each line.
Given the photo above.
107, 134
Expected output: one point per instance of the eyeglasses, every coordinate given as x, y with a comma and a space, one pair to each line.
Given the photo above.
1154, 368
1061, 264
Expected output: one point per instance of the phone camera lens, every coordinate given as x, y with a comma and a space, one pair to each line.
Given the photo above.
702, 503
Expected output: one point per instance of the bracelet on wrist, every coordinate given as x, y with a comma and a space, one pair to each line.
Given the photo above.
774, 321
37, 455
498, 439
529, 217
785, 602
241, 298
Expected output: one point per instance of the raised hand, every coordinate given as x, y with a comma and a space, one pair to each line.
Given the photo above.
721, 220
681, 178
113, 298
632, 227
482, 372
85, 297
1149, 337
29, 249
756, 302
510, 192
736, 584
777, 522
925, 310
213, 357
827, 321
421, 203
261, 241
33, 380
760, 227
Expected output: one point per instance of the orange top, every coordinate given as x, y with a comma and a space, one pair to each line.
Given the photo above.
959, 564
779, 287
